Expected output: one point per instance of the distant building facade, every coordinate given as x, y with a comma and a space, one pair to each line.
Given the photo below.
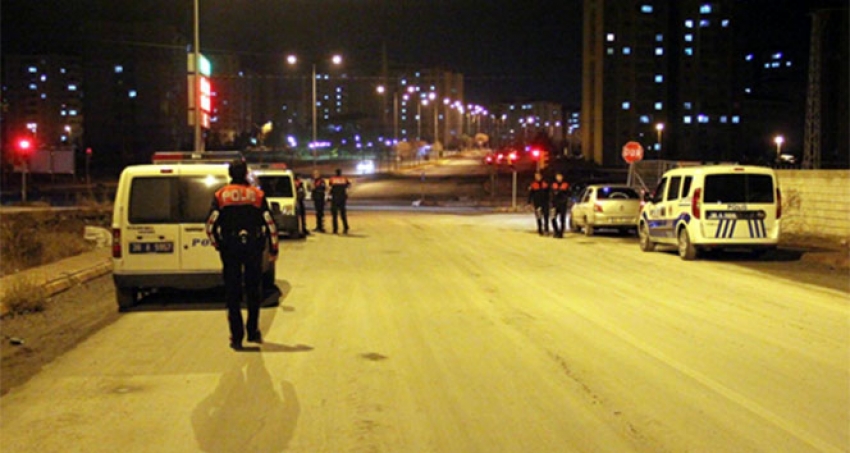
662, 74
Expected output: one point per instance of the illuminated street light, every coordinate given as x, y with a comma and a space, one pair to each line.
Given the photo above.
779, 140
292, 60
659, 127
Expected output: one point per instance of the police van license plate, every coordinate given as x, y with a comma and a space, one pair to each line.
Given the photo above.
151, 247
735, 215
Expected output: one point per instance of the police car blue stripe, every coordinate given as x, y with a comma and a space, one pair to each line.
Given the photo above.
763, 229
719, 228
732, 229
750, 225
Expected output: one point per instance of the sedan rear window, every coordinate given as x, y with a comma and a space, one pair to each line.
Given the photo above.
617, 193
738, 188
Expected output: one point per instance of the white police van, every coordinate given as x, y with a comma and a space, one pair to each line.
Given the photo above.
713, 207
158, 220
278, 183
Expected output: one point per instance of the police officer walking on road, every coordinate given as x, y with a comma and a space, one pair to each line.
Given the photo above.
318, 193
538, 196
239, 226
339, 196
560, 200
300, 195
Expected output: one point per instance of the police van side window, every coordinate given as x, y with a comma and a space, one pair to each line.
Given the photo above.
673, 188
276, 186
658, 193
196, 194
153, 200
686, 186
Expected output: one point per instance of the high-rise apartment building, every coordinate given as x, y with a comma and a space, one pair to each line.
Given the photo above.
661, 73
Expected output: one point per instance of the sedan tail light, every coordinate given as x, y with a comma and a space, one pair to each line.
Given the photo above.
778, 204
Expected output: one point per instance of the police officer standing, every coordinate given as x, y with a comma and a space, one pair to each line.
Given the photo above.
318, 193
339, 196
538, 196
239, 226
560, 200
300, 195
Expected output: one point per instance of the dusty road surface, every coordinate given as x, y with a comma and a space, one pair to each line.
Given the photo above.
465, 333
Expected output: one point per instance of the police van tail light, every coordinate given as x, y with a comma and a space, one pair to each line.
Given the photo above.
116, 243
778, 204
696, 204
597, 207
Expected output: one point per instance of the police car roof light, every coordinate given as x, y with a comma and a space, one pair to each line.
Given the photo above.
190, 157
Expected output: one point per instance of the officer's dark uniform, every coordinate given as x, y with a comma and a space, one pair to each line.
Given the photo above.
300, 196
318, 194
239, 226
339, 196
538, 195
560, 200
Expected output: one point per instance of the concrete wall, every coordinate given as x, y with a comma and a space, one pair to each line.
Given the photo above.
816, 203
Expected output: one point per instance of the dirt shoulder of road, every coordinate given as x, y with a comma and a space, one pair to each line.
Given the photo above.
68, 318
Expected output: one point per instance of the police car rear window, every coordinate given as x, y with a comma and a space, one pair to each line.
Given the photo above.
172, 199
738, 188
276, 186
616, 193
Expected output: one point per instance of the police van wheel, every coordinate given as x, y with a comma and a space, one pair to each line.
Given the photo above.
687, 251
646, 243
126, 298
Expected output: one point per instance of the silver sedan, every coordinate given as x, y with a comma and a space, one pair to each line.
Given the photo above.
605, 206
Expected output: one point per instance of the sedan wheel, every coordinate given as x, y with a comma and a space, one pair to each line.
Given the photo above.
588, 228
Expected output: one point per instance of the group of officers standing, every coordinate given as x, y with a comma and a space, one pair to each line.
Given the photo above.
334, 189
543, 196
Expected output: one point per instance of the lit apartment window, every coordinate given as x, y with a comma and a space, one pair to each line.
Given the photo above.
659, 106
689, 37
33, 86
724, 119
62, 70
736, 119
767, 65
132, 94
72, 87
646, 9
659, 78
659, 51
610, 51
704, 23
44, 78
687, 119
644, 119
724, 23
627, 50
627, 105
689, 24
748, 90
787, 64
609, 37
705, 9
72, 112
32, 69
44, 95
659, 37
119, 69
703, 119
749, 57
687, 105
775, 64
777, 56
689, 51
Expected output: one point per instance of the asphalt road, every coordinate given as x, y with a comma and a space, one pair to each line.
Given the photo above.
465, 333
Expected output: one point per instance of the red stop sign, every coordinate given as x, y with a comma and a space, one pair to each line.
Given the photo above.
632, 152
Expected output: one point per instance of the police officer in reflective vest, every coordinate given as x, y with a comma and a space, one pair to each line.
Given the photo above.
560, 200
339, 196
538, 196
318, 193
239, 226
300, 196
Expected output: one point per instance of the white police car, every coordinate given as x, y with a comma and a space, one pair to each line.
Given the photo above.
158, 219
713, 207
278, 183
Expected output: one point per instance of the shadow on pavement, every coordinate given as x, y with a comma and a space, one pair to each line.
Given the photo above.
212, 299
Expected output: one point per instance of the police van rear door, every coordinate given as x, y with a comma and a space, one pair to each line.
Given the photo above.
197, 187
740, 206
151, 239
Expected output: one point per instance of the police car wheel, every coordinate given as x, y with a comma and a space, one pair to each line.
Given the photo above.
126, 298
646, 243
687, 251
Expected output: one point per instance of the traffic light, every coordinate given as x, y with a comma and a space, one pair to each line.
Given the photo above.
544, 160
535, 154
24, 147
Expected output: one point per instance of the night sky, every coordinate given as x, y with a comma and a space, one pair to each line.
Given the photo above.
507, 49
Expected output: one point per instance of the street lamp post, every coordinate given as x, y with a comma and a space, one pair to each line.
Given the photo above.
199, 142
292, 60
779, 140
660, 129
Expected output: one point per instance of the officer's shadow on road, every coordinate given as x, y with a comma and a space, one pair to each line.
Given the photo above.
213, 299
246, 412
